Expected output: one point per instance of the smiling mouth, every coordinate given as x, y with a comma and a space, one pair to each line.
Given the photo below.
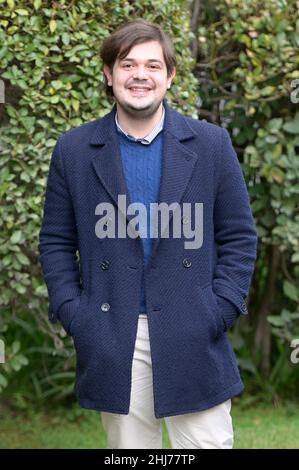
139, 90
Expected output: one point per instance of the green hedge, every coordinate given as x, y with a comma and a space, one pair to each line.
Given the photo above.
247, 65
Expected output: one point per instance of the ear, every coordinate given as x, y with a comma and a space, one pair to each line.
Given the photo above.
171, 77
107, 74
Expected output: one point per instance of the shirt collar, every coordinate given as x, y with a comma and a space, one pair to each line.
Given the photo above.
149, 137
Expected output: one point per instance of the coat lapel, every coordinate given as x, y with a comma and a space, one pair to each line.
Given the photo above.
177, 163
107, 160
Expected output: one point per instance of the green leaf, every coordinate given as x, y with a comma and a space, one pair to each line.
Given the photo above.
268, 90
15, 347
75, 104
22, 12
37, 4
275, 124
65, 39
292, 126
54, 99
20, 288
276, 320
11, 4
290, 291
3, 381
23, 259
16, 237
53, 25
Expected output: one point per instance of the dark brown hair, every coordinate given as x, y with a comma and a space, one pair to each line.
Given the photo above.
126, 36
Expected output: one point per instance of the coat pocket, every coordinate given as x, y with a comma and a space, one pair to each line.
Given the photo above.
210, 300
77, 314
67, 311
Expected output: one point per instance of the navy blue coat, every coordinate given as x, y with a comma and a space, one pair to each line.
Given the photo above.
192, 296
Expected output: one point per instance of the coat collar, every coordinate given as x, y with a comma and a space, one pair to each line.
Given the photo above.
174, 123
177, 163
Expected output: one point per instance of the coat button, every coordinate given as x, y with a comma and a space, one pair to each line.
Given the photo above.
105, 307
185, 219
244, 307
105, 264
187, 263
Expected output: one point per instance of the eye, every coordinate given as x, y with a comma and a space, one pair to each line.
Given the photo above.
154, 66
127, 66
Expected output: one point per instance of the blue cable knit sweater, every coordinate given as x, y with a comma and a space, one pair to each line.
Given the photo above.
142, 166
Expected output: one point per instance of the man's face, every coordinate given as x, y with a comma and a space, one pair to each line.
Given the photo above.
140, 80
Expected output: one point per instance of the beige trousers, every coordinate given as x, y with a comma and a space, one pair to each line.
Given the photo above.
140, 429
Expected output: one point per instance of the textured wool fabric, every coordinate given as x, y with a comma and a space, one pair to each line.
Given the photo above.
142, 169
192, 295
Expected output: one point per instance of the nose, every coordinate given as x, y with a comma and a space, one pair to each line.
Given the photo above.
140, 72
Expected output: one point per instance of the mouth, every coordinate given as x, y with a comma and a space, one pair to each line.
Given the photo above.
139, 91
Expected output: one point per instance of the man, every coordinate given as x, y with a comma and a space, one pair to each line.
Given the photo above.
149, 313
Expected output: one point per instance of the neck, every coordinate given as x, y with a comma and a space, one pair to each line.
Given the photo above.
137, 126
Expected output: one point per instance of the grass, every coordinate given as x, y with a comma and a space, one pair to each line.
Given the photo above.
75, 428
266, 427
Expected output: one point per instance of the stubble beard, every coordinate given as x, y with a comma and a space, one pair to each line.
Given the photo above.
144, 112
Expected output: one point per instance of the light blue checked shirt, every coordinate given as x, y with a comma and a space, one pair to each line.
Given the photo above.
148, 138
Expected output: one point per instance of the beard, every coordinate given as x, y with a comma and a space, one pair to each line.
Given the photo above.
139, 111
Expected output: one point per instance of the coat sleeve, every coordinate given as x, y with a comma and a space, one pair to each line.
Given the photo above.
235, 236
58, 244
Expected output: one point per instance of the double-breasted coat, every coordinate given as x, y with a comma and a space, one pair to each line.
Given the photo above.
193, 296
